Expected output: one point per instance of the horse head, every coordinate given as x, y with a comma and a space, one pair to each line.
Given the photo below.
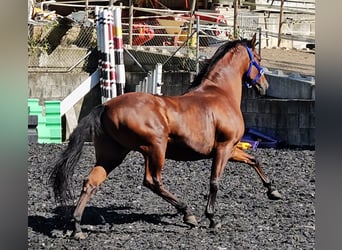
254, 76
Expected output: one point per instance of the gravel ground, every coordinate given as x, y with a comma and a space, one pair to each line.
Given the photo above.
125, 215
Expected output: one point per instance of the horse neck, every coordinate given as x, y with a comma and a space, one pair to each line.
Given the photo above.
228, 72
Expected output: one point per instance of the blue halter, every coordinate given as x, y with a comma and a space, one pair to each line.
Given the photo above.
250, 82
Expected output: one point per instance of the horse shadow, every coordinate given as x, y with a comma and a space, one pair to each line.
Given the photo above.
93, 216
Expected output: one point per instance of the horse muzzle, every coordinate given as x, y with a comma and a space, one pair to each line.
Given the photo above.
262, 86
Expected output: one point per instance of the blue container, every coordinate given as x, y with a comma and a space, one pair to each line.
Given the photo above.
264, 141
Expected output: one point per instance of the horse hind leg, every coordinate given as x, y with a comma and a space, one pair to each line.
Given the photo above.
106, 162
241, 156
96, 176
153, 180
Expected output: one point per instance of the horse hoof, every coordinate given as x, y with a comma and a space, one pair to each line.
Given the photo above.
190, 220
274, 195
215, 225
79, 236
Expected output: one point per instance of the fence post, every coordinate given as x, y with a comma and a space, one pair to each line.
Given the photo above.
197, 44
130, 26
145, 82
259, 30
158, 79
150, 82
235, 19
280, 21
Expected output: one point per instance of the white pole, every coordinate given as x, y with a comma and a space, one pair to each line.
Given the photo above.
159, 73
111, 53
119, 56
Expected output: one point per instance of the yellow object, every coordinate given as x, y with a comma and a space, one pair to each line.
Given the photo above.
193, 40
171, 26
183, 35
37, 10
40, 14
244, 145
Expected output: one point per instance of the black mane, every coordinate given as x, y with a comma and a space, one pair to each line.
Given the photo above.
220, 52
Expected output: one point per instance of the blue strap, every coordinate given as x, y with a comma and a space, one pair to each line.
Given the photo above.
251, 64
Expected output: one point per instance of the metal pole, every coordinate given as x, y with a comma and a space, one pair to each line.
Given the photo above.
197, 44
259, 29
79, 61
157, 79
86, 10
280, 21
193, 6
135, 60
266, 33
235, 19
130, 32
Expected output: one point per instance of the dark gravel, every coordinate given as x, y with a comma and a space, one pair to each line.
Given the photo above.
125, 215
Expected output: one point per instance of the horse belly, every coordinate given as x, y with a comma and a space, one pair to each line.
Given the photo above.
182, 152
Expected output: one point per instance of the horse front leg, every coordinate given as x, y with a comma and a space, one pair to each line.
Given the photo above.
241, 156
217, 168
153, 180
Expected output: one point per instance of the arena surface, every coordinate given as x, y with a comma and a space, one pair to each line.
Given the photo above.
123, 214
289, 60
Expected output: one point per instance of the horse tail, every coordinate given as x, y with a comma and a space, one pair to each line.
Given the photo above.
63, 169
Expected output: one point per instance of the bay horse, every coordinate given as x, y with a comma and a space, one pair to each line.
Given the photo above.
204, 123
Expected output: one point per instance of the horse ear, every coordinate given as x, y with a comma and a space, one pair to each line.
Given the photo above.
253, 41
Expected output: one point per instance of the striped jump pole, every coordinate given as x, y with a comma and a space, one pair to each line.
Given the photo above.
106, 61
110, 48
99, 25
102, 45
118, 51
112, 74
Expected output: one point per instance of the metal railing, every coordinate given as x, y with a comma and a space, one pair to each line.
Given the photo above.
177, 39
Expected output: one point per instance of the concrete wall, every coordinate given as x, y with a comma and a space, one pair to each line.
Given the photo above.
290, 86
56, 86
291, 119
